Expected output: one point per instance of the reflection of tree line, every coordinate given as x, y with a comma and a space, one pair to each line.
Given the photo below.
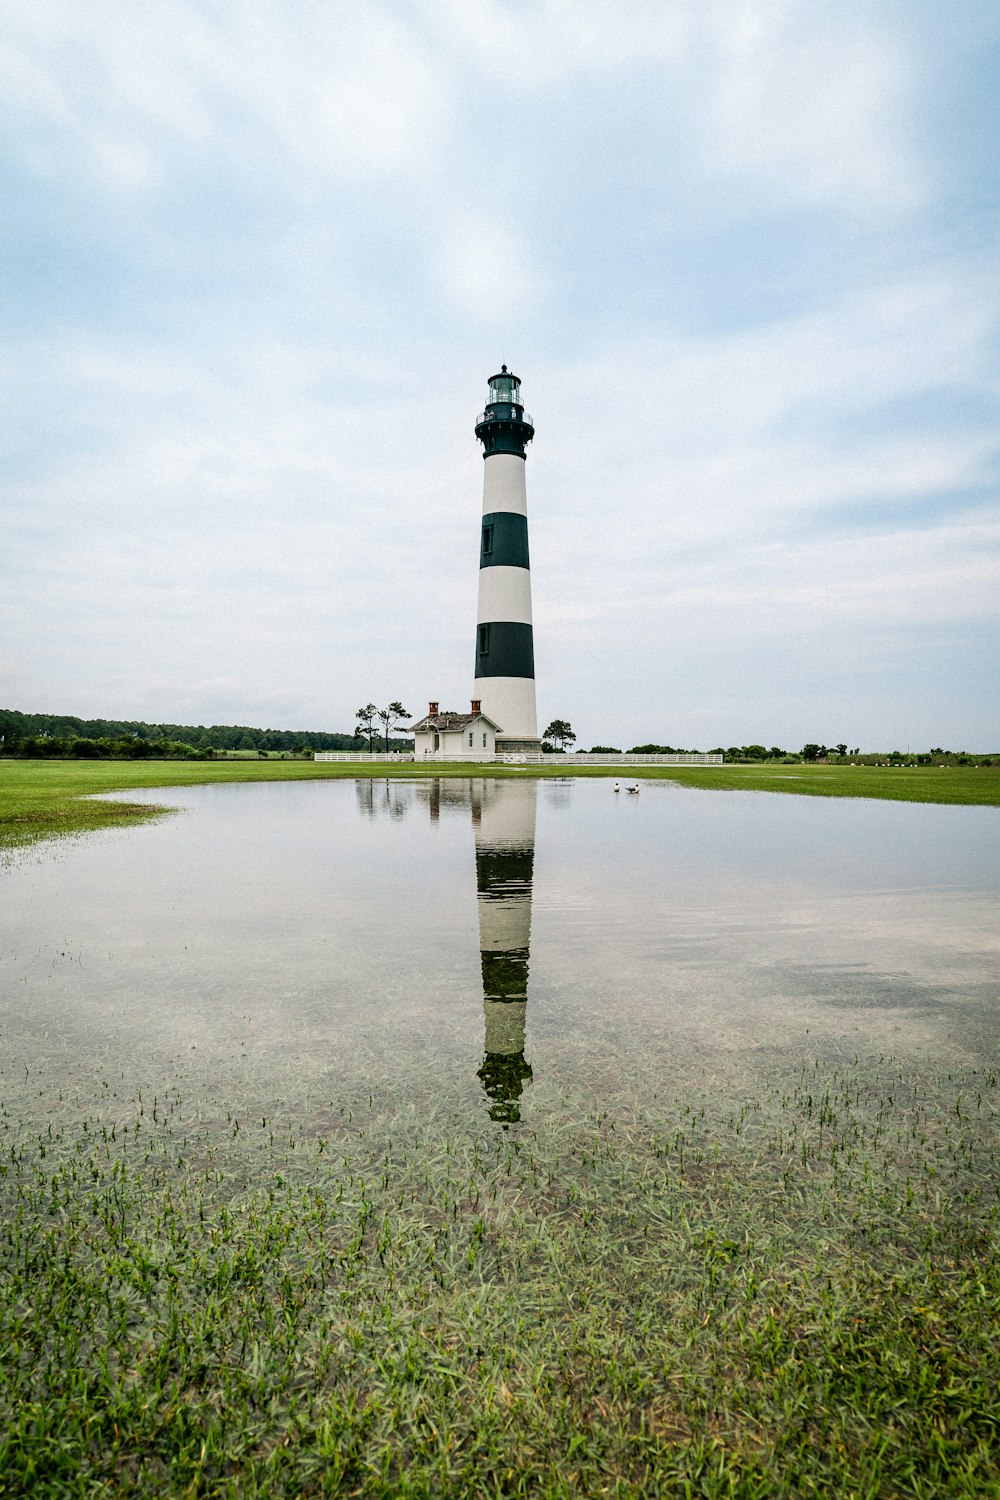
382, 799
503, 822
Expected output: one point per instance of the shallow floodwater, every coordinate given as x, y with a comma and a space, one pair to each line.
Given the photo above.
498, 946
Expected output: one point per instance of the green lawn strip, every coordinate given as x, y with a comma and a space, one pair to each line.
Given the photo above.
966, 785
793, 1294
41, 798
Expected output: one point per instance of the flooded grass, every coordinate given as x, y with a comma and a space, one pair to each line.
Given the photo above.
784, 1289
447, 1138
46, 799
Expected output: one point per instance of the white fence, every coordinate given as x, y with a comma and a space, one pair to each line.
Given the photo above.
585, 758
364, 756
578, 758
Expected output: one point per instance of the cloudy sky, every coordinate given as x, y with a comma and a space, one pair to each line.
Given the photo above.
260, 258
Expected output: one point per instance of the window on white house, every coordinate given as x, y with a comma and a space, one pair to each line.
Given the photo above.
470, 739
484, 742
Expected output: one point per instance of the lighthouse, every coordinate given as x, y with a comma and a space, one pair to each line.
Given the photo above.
505, 654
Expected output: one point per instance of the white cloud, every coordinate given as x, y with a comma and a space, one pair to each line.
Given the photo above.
816, 105
343, 89
484, 267
528, 48
787, 417
801, 104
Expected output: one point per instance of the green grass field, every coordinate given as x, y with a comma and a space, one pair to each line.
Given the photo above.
784, 1293
42, 798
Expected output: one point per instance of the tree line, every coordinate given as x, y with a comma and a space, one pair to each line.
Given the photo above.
68, 735
559, 737
36, 735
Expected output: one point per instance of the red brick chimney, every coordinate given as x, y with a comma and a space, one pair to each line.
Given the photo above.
432, 707
477, 704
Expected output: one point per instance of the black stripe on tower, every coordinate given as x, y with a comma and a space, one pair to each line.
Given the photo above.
504, 1075
504, 871
505, 648
505, 973
504, 540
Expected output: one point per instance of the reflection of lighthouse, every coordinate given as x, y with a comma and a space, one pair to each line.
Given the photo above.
503, 818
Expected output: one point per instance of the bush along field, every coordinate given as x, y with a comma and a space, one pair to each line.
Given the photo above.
793, 1290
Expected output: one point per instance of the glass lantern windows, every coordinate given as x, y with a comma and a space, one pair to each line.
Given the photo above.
505, 389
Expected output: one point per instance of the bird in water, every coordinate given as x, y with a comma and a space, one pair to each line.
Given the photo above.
617, 787
634, 789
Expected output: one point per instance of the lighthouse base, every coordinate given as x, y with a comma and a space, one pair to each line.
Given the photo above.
509, 746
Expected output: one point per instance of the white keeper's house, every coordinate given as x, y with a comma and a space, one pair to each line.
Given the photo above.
440, 736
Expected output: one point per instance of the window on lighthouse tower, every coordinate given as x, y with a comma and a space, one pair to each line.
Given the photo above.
484, 640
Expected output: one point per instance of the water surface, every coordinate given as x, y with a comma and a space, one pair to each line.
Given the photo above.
500, 947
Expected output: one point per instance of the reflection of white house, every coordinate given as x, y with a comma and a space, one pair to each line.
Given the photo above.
451, 736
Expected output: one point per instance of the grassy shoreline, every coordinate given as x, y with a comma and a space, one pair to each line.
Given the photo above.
792, 1293
41, 799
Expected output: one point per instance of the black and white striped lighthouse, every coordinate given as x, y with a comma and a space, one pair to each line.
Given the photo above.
505, 654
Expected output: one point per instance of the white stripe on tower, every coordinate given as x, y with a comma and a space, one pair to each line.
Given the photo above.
505, 594
503, 483
505, 662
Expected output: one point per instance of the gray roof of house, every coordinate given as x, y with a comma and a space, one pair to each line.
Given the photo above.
450, 721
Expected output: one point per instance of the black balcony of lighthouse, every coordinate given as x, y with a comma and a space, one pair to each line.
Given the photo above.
504, 427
